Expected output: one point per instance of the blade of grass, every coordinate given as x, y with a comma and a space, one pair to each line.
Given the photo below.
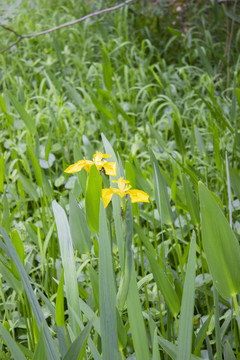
11, 344
220, 245
67, 255
107, 292
186, 315
40, 319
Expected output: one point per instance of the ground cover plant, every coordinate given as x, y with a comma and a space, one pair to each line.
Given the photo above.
133, 252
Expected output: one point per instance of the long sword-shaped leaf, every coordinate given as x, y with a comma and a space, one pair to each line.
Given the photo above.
107, 292
186, 315
67, 255
11, 344
28, 120
220, 245
164, 285
126, 276
76, 347
161, 195
171, 349
40, 319
137, 326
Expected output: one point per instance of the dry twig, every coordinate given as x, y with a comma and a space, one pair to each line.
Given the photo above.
28, 36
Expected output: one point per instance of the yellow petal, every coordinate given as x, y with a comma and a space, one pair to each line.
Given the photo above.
104, 156
99, 156
138, 196
110, 168
82, 164
106, 196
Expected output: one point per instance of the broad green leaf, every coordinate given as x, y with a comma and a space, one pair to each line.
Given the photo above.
126, 276
11, 344
78, 227
1, 173
161, 195
233, 16
220, 245
28, 120
29, 187
39, 317
199, 141
191, 201
235, 181
179, 138
36, 167
17, 242
107, 70
107, 293
136, 322
204, 60
228, 353
5, 213
41, 352
67, 255
79, 343
164, 285
171, 349
100, 107
9, 277
4, 110
92, 199
201, 334
187, 307
59, 308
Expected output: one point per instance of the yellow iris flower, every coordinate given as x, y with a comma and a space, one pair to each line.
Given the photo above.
135, 195
109, 167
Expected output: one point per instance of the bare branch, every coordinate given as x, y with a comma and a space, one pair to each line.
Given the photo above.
28, 36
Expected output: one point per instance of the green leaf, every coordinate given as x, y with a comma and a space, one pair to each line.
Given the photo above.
107, 293
36, 167
92, 199
11, 280
11, 344
137, 327
67, 255
233, 16
164, 285
1, 173
228, 353
201, 334
41, 352
187, 306
126, 276
17, 242
59, 308
76, 347
30, 294
179, 138
220, 245
161, 195
204, 60
28, 120
28, 187
235, 181
191, 201
171, 349
78, 226
107, 70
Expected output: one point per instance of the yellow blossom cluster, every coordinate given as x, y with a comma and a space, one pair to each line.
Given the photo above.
110, 168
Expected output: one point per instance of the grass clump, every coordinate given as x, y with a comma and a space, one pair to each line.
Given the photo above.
151, 280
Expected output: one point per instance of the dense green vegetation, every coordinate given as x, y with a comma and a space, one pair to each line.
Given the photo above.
156, 86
